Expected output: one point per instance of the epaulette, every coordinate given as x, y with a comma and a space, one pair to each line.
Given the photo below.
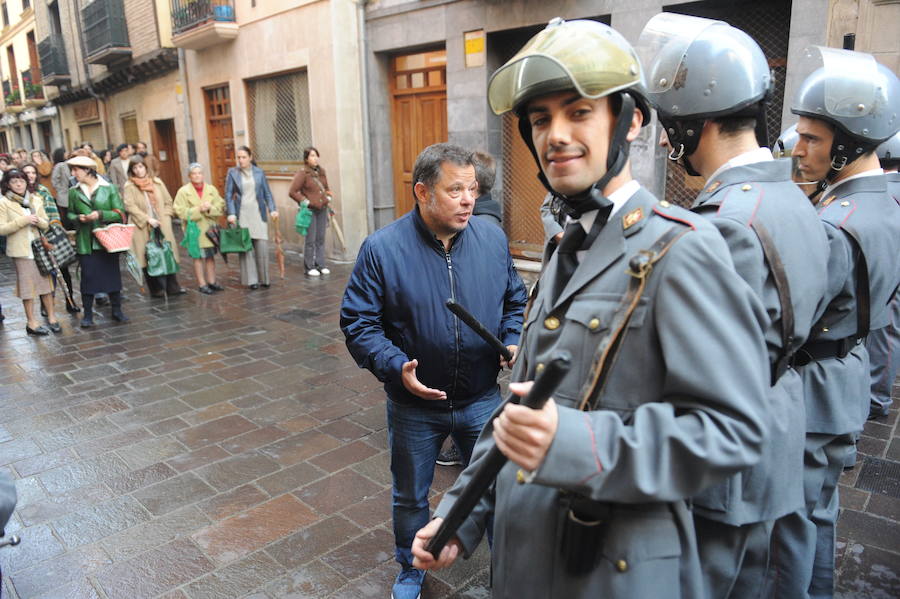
843, 208
673, 213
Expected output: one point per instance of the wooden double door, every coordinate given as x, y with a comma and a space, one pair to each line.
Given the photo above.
419, 116
165, 145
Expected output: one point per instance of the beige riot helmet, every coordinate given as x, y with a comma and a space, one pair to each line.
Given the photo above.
585, 56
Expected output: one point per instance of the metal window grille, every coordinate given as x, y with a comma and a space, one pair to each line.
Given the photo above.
280, 125
104, 25
522, 193
769, 24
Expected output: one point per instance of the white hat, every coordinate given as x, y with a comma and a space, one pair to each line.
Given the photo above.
82, 161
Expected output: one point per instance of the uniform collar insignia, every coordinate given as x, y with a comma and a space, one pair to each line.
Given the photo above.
632, 218
713, 186
828, 201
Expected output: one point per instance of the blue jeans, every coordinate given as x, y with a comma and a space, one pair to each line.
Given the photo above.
416, 434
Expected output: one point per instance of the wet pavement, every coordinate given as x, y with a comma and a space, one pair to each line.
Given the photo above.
227, 446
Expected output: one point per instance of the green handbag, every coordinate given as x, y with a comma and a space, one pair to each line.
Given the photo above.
304, 218
160, 257
235, 240
191, 239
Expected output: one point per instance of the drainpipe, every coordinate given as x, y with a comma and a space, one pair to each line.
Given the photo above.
367, 148
186, 105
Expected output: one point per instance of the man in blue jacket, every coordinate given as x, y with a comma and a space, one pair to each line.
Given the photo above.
440, 378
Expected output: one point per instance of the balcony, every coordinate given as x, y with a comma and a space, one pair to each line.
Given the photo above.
105, 32
34, 90
12, 98
199, 24
52, 55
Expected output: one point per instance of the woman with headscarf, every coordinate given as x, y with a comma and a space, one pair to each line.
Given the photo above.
94, 203
201, 203
249, 201
22, 217
150, 207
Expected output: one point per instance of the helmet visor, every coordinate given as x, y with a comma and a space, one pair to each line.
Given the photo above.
663, 45
582, 55
851, 80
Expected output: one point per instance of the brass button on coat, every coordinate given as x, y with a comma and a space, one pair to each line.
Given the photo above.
746, 188
621, 565
539, 368
551, 323
594, 323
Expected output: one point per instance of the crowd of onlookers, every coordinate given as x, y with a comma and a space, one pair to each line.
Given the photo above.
82, 192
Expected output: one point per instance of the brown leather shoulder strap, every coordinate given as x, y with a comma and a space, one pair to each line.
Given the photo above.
783, 287
639, 267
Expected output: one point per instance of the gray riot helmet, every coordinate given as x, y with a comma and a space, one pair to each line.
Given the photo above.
584, 56
784, 145
889, 152
698, 69
857, 96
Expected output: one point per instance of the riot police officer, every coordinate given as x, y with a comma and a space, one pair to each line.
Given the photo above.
667, 393
847, 106
883, 344
710, 119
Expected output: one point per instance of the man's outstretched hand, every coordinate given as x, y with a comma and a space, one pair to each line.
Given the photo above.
412, 384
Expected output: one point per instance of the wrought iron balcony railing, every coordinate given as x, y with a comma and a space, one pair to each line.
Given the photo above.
34, 90
105, 31
54, 66
187, 14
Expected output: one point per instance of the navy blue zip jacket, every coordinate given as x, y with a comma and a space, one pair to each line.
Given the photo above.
393, 308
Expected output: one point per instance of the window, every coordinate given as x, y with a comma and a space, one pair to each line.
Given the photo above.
26, 4
278, 109
5, 14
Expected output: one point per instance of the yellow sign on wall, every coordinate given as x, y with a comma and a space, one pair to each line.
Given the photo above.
474, 48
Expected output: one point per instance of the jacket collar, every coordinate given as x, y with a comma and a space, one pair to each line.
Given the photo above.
429, 237
610, 243
770, 171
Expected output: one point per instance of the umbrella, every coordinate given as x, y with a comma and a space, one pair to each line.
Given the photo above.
336, 228
279, 250
134, 269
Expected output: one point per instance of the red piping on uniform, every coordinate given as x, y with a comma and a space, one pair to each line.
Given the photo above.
587, 421
852, 210
675, 218
755, 208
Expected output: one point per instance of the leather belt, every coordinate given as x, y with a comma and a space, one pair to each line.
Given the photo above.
823, 350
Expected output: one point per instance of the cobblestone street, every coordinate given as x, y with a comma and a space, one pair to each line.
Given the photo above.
226, 446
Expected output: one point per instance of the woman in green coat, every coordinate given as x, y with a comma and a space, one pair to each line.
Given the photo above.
94, 203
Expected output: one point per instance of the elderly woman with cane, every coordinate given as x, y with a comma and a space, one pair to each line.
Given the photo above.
22, 217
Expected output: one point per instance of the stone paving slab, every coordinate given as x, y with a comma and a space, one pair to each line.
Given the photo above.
227, 446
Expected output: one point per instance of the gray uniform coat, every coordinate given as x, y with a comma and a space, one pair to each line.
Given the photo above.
763, 194
837, 389
682, 408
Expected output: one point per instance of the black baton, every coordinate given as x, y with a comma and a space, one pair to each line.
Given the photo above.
476, 326
494, 461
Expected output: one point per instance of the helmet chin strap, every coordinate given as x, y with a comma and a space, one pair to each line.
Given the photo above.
592, 198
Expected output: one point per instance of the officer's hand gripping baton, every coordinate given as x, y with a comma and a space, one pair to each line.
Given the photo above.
494, 461
476, 326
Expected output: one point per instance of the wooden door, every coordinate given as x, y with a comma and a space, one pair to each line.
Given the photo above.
165, 147
219, 134
419, 116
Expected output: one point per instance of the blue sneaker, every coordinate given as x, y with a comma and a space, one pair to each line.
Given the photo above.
408, 584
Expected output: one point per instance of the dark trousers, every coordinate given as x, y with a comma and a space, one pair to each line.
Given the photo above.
155, 285
314, 248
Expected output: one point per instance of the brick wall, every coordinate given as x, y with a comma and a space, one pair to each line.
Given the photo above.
142, 31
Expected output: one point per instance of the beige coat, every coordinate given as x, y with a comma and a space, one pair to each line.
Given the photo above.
14, 224
136, 206
187, 208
